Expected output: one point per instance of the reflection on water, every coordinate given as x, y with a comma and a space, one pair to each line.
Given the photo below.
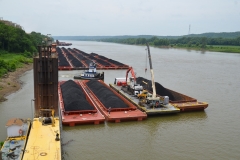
208, 76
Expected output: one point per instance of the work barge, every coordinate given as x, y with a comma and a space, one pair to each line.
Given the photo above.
164, 109
75, 59
107, 104
178, 101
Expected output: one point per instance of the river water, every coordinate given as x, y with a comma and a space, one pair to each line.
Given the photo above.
207, 76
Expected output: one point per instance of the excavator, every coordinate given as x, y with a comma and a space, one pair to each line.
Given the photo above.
132, 88
151, 99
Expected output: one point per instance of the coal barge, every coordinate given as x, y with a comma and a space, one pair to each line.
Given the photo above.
113, 106
92, 101
75, 59
76, 105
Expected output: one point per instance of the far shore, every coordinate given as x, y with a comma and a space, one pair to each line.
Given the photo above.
210, 48
10, 82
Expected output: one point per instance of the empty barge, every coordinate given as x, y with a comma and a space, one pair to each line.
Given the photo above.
113, 106
76, 105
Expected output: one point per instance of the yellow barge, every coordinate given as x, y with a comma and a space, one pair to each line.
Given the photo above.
44, 140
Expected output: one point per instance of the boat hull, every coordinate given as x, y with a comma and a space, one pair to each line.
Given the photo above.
88, 78
13, 147
191, 106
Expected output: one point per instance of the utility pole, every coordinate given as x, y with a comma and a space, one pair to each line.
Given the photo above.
189, 29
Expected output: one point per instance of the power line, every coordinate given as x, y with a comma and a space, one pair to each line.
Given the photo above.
189, 29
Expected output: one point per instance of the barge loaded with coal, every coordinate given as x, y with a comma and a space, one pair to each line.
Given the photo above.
92, 101
75, 59
76, 105
113, 106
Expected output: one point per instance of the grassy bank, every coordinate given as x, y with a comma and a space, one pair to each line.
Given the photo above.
213, 48
1, 144
10, 82
230, 49
196, 43
9, 62
12, 65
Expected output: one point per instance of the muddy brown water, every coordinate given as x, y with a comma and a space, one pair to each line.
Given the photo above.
207, 76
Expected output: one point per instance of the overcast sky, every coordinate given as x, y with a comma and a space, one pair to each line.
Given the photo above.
123, 17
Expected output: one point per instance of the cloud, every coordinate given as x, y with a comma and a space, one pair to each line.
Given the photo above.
114, 17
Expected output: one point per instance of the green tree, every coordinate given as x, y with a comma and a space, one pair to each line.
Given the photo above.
203, 42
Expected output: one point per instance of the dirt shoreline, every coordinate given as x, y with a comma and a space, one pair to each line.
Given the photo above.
10, 83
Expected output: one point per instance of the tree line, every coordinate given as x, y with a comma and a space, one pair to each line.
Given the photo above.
201, 42
16, 47
16, 40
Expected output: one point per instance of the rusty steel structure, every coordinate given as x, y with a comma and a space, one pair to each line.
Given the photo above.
45, 70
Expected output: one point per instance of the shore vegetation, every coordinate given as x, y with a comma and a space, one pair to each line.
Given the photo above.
231, 45
17, 49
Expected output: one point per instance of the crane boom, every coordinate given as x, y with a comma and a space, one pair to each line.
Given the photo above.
151, 70
133, 88
132, 72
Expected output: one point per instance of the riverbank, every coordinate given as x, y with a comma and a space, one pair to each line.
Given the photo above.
187, 46
10, 82
216, 48
225, 49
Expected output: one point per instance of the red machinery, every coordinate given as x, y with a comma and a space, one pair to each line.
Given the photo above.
123, 81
